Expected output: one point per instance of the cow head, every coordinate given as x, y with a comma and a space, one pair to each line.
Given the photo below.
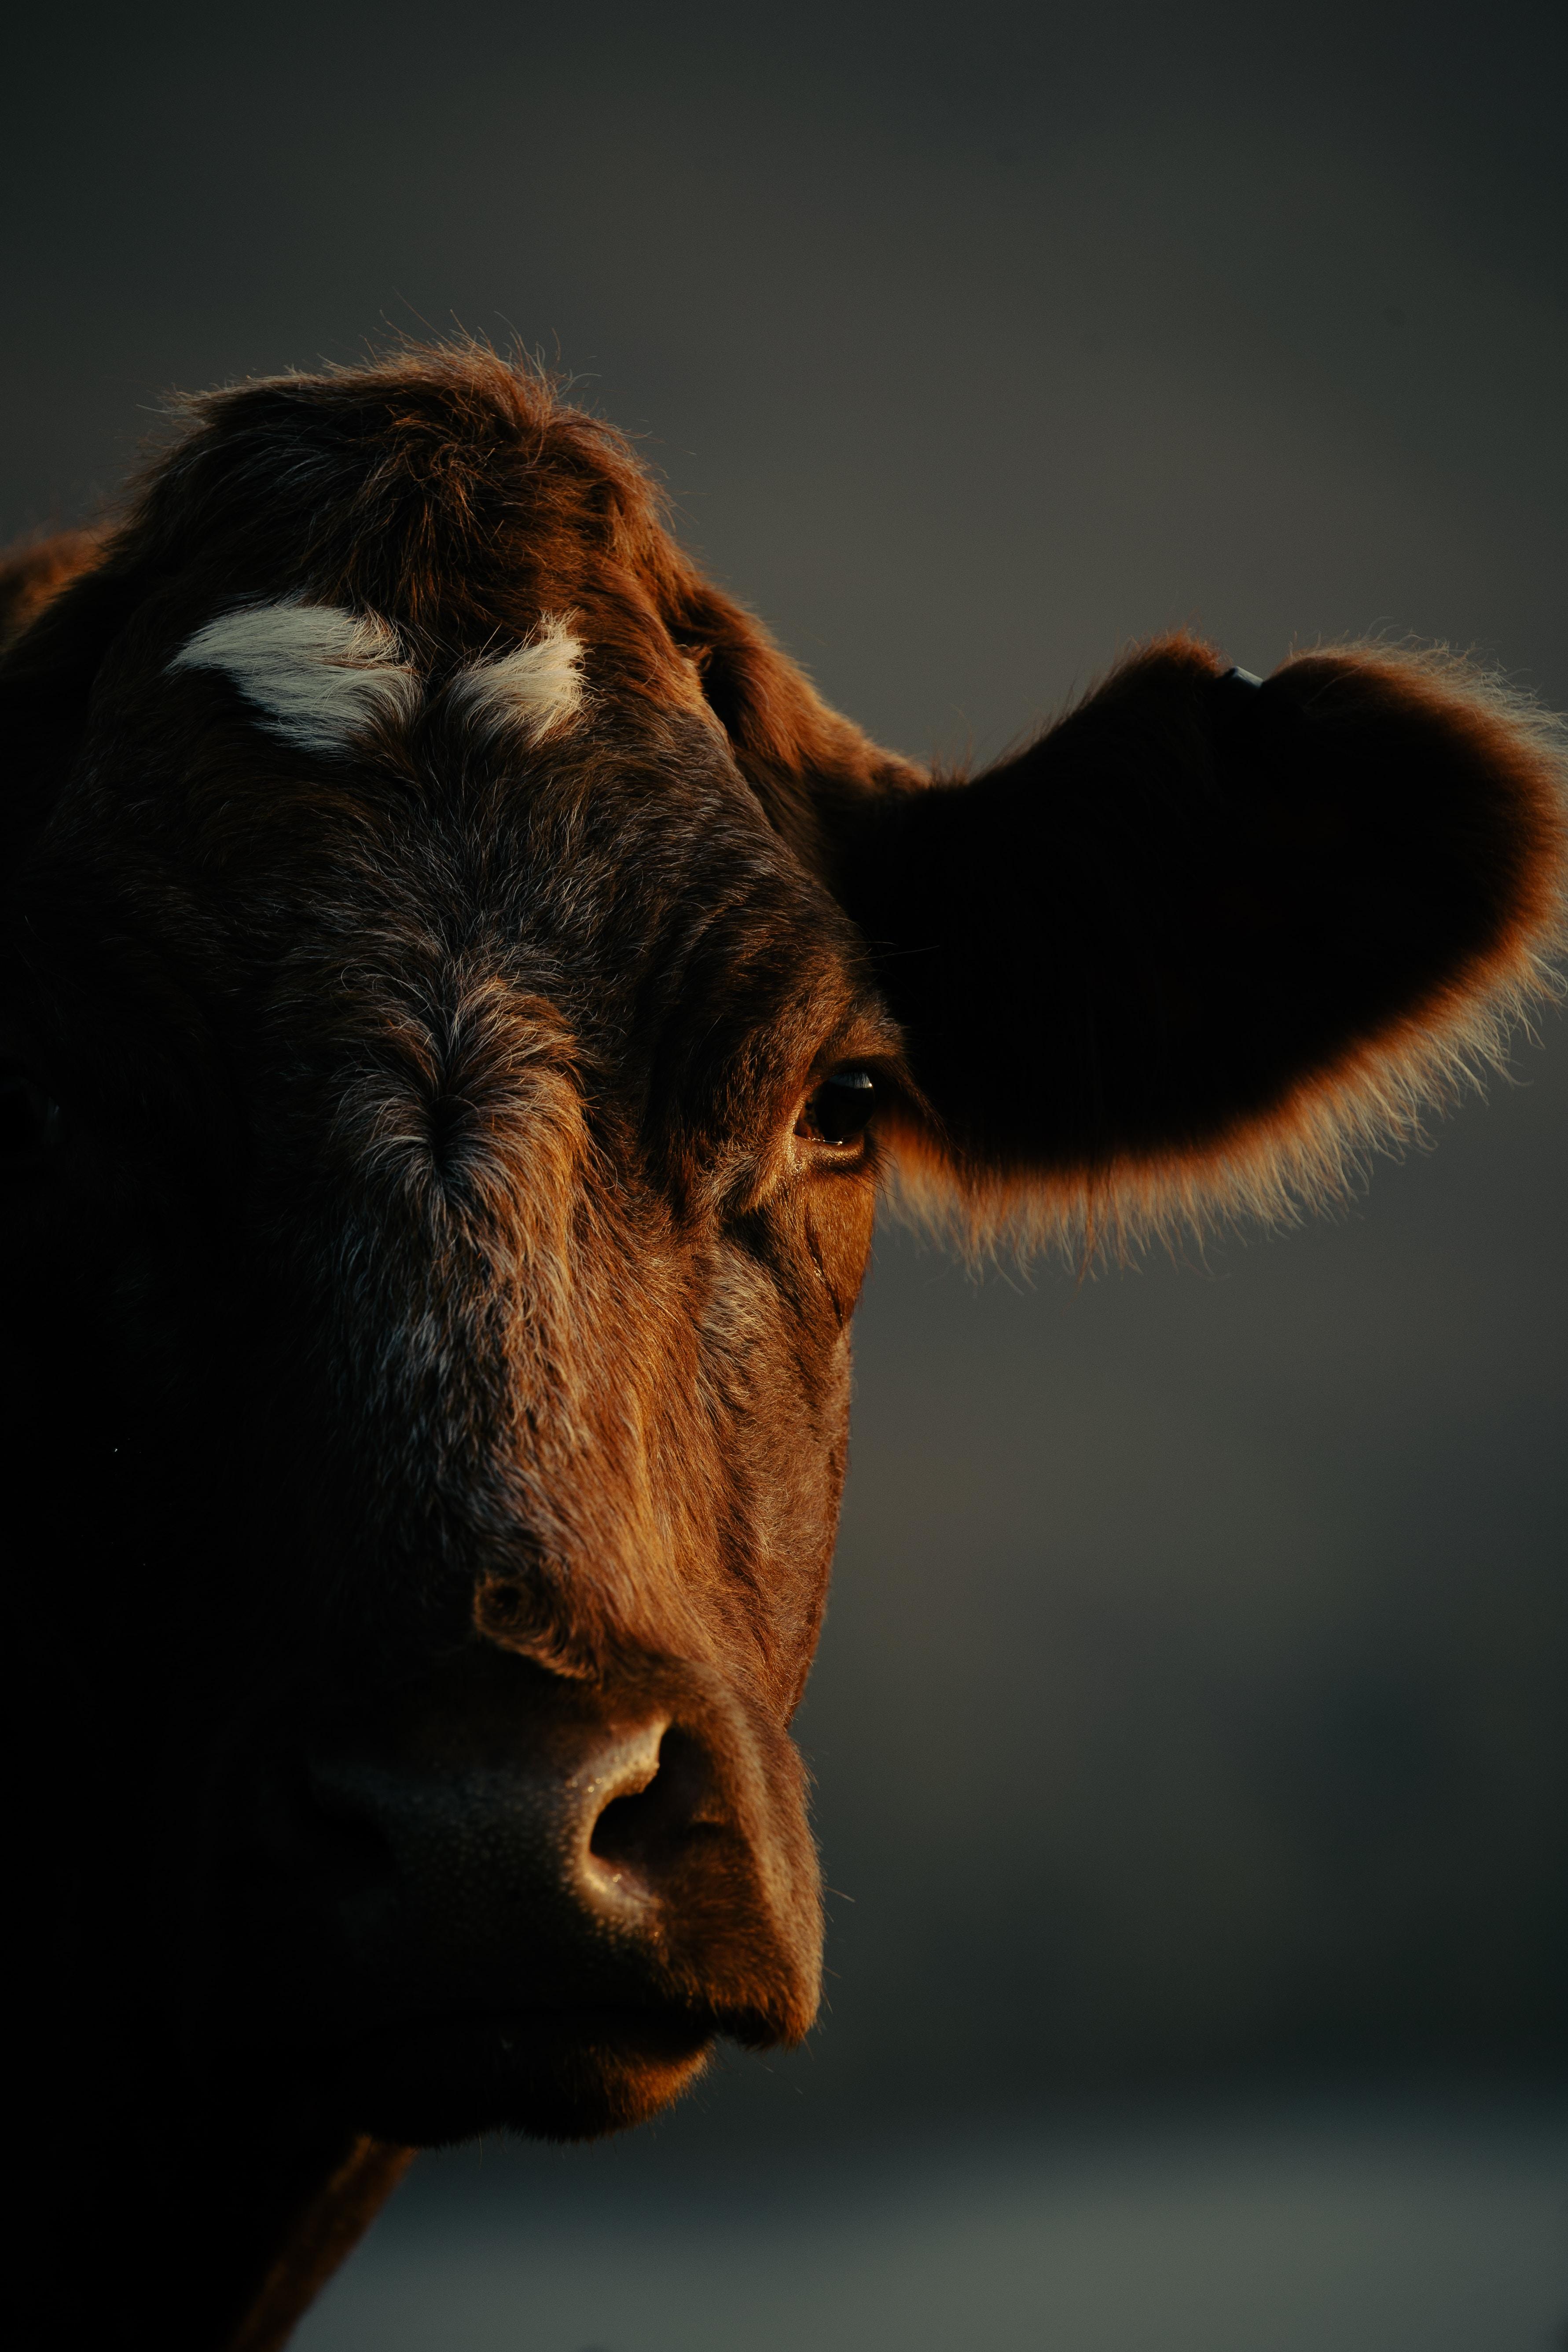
462, 993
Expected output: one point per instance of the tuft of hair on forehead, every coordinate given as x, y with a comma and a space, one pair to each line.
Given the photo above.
459, 495
319, 674
532, 692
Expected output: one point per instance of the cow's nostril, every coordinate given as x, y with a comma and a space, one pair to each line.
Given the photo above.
641, 1840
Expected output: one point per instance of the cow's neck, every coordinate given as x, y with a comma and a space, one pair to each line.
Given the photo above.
204, 2233
169, 2198
310, 2239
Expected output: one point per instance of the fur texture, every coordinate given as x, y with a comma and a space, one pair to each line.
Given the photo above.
320, 677
1207, 945
436, 913
30, 575
534, 692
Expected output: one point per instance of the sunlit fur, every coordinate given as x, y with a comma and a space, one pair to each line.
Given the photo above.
533, 691
433, 903
33, 572
1313, 1146
318, 674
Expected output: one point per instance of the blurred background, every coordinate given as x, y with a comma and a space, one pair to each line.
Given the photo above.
1189, 1732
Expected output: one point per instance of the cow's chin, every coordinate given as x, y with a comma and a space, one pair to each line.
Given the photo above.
551, 2073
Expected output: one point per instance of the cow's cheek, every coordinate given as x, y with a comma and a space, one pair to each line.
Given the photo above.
775, 1381
832, 1243
839, 1215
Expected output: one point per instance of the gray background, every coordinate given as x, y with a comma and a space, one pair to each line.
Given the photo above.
1190, 1712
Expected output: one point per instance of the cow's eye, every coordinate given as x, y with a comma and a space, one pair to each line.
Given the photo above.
28, 1120
840, 1109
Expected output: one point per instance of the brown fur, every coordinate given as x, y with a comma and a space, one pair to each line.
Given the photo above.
31, 575
425, 1340
329, 2228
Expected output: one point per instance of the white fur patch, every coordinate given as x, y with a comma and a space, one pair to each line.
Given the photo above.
319, 674
534, 691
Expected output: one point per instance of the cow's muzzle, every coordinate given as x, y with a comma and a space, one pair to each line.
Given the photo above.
523, 1899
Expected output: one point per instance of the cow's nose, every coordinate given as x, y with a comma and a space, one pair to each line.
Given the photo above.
597, 1823
647, 1819
508, 1840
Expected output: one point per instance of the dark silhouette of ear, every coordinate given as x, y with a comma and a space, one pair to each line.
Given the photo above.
1208, 937
59, 614
33, 574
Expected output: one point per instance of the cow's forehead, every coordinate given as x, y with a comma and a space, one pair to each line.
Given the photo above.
323, 678
368, 815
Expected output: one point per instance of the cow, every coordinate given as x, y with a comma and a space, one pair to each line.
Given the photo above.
462, 995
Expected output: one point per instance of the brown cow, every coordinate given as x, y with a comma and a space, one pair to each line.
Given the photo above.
462, 993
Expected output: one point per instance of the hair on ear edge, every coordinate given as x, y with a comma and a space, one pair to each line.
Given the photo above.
1312, 1149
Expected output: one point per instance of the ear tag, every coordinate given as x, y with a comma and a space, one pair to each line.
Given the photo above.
1235, 706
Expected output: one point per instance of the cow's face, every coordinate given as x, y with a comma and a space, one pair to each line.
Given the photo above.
461, 992
476, 1125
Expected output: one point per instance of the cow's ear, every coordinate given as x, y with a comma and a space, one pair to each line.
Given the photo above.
1207, 940
60, 610
33, 574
